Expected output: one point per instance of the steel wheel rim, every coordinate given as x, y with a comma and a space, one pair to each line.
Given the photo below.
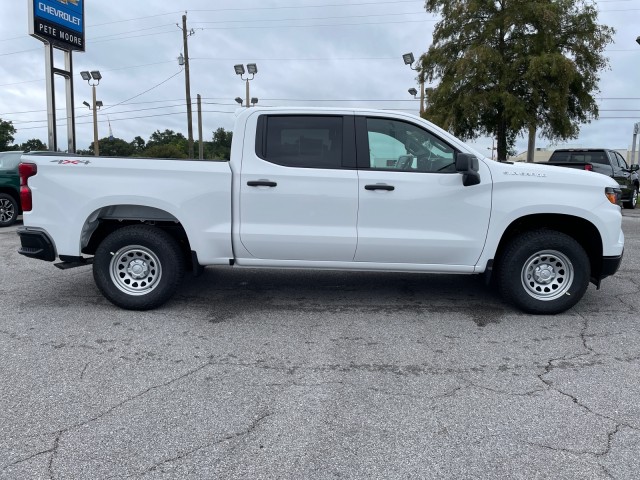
135, 270
6, 210
547, 275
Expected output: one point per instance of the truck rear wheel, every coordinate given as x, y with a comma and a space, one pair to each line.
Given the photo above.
8, 210
138, 267
543, 272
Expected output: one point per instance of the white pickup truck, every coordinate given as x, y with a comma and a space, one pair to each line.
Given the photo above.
339, 189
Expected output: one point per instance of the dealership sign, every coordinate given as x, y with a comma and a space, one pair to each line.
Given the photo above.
58, 22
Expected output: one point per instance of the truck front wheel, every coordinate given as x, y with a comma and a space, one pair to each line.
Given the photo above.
543, 272
138, 267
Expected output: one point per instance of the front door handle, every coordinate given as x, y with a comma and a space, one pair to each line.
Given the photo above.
380, 186
261, 183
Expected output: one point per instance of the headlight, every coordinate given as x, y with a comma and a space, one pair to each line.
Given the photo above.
613, 195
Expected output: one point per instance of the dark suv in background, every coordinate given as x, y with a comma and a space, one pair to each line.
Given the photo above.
9, 188
605, 161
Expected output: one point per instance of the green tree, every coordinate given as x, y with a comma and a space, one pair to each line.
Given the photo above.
33, 145
507, 66
168, 137
6, 134
221, 144
138, 145
114, 147
164, 151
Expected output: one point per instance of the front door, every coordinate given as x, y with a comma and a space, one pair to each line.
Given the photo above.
413, 207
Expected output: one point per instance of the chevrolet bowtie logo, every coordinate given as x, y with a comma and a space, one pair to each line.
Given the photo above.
66, 2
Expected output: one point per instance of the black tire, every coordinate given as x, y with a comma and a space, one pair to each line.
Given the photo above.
633, 200
543, 272
138, 267
9, 210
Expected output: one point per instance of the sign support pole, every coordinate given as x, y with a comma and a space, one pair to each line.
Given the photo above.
71, 117
51, 98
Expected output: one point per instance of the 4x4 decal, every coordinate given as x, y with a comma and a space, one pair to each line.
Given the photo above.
71, 162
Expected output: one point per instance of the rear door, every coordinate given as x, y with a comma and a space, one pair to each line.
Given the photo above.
299, 189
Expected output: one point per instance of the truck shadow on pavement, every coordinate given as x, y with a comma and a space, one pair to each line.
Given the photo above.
248, 291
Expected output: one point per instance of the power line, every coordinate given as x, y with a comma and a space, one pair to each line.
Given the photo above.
148, 90
309, 18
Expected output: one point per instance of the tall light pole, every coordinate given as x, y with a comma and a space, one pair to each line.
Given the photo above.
636, 129
96, 76
252, 69
408, 60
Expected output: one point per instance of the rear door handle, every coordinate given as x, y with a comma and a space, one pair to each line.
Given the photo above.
261, 183
380, 186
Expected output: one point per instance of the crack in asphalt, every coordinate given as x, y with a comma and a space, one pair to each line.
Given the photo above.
550, 385
226, 438
26, 459
63, 431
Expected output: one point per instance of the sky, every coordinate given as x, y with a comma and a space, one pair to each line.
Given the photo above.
309, 53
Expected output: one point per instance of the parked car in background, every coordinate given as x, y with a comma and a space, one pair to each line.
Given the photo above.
604, 161
9, 188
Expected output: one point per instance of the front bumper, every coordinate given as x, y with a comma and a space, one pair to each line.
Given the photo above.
36, 244
610, 266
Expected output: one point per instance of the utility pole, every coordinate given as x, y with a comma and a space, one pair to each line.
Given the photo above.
200, 142
185, 35
531, 147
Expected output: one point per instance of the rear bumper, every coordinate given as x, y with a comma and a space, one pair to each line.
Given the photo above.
36, 244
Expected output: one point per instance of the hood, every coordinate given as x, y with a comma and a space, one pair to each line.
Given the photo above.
537, 172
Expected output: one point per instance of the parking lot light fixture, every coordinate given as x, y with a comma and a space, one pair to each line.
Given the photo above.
408, 58
413, 91
252, 69
638, 40
239, 100
96, 76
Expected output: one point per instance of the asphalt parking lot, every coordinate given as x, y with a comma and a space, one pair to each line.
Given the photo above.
251, 374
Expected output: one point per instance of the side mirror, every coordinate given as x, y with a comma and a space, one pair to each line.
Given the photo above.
468, 166
635, 167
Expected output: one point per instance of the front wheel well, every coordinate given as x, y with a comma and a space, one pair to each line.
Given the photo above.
581, 230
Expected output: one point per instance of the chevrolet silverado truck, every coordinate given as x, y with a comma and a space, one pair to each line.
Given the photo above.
339, 189
603, 161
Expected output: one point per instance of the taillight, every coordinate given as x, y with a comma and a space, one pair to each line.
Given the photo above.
588, 167
26, 170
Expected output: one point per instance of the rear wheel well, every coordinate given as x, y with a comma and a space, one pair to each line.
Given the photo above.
583, 231
104, 222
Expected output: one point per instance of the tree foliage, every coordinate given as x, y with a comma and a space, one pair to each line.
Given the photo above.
505, 66
167, 144
221, 145
33, 145
6, 134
